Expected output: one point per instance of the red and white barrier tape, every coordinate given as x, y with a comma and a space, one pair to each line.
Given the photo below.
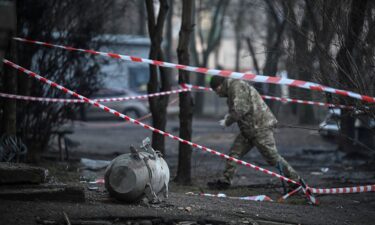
39, 99
344, 190
118, 99
289, 194
142, 97
184, 85
127, 118
258, 198
224, 73
112, 125
306, 189
291, 100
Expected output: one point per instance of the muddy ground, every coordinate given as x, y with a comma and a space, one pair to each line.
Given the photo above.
314, 157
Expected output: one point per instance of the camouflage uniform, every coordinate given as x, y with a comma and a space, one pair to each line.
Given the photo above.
256, 123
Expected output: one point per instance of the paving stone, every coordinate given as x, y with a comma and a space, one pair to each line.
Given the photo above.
45, 192
19, 173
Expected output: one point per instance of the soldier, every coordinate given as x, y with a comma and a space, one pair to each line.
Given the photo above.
256, 123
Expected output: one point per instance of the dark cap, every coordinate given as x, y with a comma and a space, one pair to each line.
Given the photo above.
216, 81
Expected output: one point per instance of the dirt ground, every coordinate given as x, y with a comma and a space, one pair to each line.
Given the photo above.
312, 156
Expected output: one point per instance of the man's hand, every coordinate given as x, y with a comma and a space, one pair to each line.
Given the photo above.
222, 122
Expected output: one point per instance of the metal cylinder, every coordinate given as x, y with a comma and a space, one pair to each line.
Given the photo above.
132, 176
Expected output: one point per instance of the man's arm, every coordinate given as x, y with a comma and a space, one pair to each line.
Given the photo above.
239, 93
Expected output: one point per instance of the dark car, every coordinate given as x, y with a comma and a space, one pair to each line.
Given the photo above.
132, 108
364, 127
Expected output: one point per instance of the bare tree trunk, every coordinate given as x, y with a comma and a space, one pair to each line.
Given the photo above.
142, 18
10, 86
186, 101
238, 27
302, 59
8, 48
253, 55
211, 43
346, 69
158, 105
274, 43
323, 36
169, 31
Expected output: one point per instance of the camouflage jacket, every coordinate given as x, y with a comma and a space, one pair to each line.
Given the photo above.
246, 106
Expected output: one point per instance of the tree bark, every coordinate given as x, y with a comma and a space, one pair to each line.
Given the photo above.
238, 27
212, 42
169, 32
186, 101
158, 105
323, 36
142, 18
346, 69
253, 55
9, 106
302, 59
10, 86
274, 42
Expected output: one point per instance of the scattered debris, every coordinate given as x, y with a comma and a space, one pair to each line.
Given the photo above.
98, 181
95, 165
95, 185
259, 198
66, 218
93, 188
12, 149
134, 221
322, 171
316, 173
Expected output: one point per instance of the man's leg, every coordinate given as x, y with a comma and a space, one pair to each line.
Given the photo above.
239, 148
265, 142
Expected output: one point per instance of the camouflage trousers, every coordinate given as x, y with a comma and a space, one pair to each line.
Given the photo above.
265, 143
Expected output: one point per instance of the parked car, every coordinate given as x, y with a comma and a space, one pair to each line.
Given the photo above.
330, 126
132, 108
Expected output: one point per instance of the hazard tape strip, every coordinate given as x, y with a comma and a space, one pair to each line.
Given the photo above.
344, 190
306, 189
291, 100
142, 97
224, 73
258, 198
289, 194
127, 118
118, 99
148, 115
